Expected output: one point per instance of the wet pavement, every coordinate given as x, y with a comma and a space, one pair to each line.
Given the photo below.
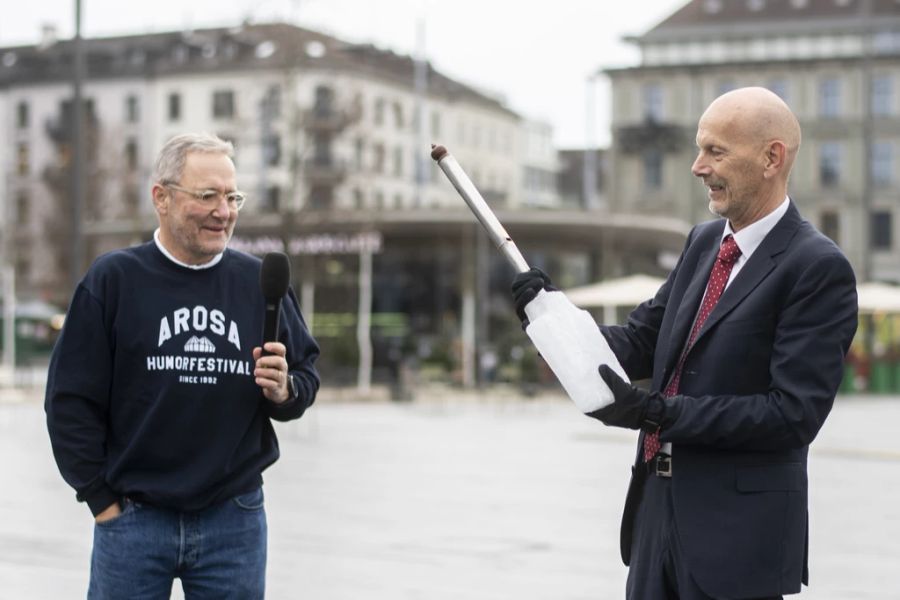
462, 497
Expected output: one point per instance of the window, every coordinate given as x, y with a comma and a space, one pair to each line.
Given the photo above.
180, 54
23, 267
379, 111
174, 106
652, 101
830, 164
359, 148
22, 116
132, 109
882, 96
23, 208
378, 158
830, 98
779, 87
322, 150
131, 155
398, 161
22, 162
419, 167
882, 163
358, 198
223, 104
271, 103
271, 150
831, 225
320, 197
272, 200
652, 169
880, 230
324, 101
132, 199
398, 115
725, 86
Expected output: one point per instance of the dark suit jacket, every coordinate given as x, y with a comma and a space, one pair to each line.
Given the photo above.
757, 385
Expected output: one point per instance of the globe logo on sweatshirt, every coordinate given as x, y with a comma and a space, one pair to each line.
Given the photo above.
196, 344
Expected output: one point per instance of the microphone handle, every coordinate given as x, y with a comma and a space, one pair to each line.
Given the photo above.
270, 326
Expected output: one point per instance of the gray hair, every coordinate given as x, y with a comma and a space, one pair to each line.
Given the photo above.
171, 159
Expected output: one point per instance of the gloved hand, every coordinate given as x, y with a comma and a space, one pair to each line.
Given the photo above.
525, 287
633, 407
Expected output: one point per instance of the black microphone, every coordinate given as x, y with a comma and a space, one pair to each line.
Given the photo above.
274, 279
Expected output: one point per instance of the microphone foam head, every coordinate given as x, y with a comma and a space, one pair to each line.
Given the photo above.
275, 275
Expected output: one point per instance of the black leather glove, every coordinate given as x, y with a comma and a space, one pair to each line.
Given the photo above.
633, 407
525, 287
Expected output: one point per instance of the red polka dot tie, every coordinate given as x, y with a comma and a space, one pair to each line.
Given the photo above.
718, 277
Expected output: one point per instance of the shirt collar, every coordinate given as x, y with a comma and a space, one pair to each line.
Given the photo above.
212, 262
750, 237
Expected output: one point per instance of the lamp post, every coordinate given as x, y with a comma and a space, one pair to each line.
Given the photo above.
77, 258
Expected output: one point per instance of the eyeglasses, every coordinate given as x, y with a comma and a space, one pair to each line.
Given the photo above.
210, 198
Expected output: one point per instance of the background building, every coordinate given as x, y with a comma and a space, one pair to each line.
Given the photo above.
835, 62
332, 143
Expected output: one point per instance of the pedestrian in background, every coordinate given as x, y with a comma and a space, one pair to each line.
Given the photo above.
159, 399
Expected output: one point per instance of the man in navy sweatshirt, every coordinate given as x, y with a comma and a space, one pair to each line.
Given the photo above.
159, 400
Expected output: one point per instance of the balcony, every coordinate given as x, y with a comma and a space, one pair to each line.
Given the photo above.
634, 139
327, 119
324, 171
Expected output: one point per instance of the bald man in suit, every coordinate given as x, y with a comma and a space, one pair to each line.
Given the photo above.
744, 346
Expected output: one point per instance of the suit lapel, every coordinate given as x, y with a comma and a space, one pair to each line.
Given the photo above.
757, 268
688, 307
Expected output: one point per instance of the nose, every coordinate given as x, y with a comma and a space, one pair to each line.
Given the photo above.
222, 208
700, 168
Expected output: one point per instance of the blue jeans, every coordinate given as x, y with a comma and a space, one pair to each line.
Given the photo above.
219, 552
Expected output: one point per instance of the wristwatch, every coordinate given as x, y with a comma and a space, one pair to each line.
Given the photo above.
292, 388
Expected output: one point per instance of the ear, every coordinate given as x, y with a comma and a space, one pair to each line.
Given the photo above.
160, 198
774, 158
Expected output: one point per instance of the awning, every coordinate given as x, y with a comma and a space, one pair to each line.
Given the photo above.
609, 295
630, 291
627, 291
878, 297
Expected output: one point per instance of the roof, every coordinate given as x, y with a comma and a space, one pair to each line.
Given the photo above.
242, 48
713, 17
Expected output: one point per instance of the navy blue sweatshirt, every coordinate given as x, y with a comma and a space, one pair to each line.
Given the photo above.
150, 392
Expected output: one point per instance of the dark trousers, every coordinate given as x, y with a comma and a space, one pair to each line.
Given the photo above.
657, 569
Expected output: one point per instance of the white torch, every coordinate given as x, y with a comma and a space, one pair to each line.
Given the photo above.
566, 336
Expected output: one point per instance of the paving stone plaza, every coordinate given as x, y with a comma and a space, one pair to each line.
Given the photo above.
458, 496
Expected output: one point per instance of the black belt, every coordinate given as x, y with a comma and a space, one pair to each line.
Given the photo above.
660, 465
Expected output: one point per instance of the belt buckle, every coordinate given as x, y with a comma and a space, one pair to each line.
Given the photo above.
663, 467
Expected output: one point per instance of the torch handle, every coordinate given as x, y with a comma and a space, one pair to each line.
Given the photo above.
479, 207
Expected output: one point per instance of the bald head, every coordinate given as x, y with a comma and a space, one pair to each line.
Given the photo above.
759, 117
747, 141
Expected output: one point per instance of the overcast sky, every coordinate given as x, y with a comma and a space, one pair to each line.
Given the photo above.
536, 55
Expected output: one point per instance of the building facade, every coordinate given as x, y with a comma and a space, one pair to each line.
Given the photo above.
835, 62
318, 125
333, 147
